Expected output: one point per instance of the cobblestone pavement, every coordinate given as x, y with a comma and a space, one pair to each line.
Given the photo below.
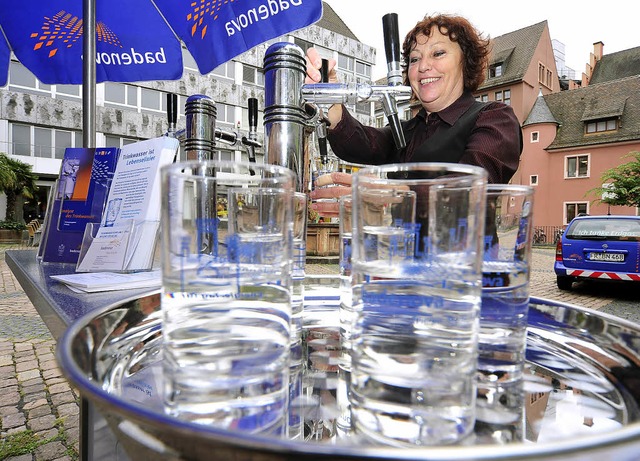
34, 396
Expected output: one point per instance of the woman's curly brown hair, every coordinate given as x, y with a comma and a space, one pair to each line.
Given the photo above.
475, 48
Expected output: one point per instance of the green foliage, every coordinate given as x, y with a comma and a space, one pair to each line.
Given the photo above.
621, 185
18, 444
12, 225
16, 178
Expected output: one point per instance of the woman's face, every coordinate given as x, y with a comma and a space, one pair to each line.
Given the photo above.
435, 70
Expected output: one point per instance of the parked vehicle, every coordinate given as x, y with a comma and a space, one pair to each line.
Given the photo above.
599, 247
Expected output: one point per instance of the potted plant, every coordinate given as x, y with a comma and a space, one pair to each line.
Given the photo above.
11, 231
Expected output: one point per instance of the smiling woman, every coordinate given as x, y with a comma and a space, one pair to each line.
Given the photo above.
445, 59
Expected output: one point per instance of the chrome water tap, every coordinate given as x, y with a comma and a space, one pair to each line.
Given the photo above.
289, 102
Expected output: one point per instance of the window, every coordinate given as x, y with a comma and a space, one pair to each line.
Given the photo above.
484, 98
495, 70
136, 98
535, 136
363, 69
407, 113
20, 140
153, 100
61, 142
506, 97
224, 154
346, 63
117, 93
117, 141
545, 76
302, 44
533, 180
252, 75
34, 141
599, 126
188, 61
363, 108
503, 96
571, 210
226, 70
20, 77
577, 166
226, 114
380, 121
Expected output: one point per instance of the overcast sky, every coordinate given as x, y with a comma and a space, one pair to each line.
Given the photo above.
576, 24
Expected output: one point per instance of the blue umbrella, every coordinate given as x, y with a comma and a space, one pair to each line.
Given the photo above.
135, 39
5, 54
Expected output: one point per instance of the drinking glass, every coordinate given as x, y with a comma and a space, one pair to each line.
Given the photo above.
226, 302
416, 280
503, 313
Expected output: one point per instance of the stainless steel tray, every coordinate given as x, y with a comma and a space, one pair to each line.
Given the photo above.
582, 401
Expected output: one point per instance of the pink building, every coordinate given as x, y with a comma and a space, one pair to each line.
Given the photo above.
573, 131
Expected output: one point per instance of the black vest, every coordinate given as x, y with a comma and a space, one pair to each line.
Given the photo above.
448, 144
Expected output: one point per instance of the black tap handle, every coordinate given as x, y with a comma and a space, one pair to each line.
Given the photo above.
391, 37
324, 122
172, 108
253, 114
324, 71
323, 148
392, 48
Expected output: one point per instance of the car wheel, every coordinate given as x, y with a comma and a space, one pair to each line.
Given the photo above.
564, 283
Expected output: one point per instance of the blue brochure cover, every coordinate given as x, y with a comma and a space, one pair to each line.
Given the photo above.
83, 186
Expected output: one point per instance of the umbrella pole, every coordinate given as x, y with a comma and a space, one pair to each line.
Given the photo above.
88, 140
89, 74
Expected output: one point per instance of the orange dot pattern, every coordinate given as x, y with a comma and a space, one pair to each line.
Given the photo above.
201, 9
64, 29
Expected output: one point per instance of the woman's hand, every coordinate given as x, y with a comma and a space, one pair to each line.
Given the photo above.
314, 64
330, 186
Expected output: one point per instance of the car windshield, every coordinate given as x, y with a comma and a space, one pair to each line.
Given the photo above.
609, 229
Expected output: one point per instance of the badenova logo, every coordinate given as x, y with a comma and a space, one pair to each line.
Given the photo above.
63, 30
266, 10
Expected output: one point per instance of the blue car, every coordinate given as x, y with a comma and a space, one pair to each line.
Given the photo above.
599, 247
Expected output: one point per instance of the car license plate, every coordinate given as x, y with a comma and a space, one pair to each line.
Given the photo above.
609, 257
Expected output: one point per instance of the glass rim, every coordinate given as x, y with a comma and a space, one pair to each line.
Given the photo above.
512, 189
470, 171
228, 166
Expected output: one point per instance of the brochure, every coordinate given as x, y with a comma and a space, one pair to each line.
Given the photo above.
110, 281
83, 185
127, 235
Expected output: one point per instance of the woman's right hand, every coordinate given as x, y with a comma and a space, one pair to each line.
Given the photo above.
314, 64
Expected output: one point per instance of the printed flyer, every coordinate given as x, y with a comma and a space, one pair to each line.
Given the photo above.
126, 238
83, 186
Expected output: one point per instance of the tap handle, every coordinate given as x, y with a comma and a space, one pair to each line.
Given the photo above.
322, 127
228, 137
396, 129
392, 48
253, 114
172, 112
324, 71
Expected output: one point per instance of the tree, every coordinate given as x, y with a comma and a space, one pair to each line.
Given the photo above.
621, 184
16, 178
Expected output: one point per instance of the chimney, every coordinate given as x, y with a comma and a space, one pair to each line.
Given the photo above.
594, 58
598, 48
